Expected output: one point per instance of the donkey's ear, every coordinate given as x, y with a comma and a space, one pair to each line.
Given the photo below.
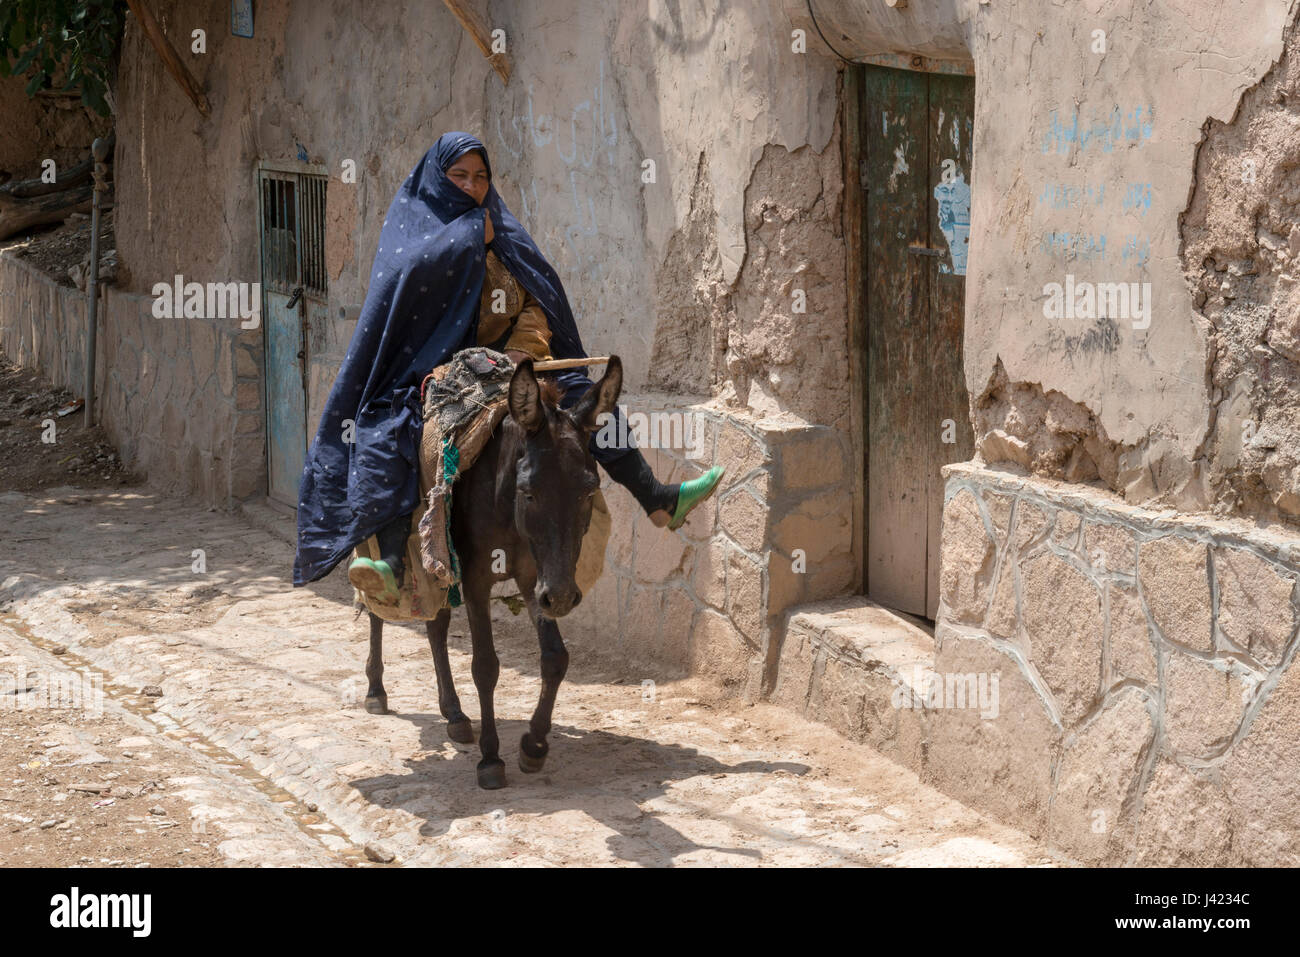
526, 397
601, 397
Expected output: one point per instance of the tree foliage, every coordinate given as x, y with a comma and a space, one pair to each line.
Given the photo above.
72, 40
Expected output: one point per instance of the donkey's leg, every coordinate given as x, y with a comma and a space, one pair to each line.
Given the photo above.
555, 662
486, 668
458, 726
376, 697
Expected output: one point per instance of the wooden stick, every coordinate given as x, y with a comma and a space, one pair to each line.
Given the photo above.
27, 188
547, 365
477, 29
171, 59
17, 215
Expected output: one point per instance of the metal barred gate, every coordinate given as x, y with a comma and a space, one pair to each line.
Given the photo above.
291, 216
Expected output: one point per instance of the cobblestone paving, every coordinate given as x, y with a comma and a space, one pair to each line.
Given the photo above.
262, 682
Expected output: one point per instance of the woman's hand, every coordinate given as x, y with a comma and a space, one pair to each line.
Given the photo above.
487, 227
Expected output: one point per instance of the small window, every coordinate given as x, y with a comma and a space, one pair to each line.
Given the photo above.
293, 232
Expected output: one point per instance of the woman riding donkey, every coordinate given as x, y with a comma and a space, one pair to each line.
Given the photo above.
450, 257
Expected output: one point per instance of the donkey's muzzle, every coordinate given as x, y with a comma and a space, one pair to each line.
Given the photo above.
558, 602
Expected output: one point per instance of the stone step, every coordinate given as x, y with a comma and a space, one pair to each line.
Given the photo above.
860, 668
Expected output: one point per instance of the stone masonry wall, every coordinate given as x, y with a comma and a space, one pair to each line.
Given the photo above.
1149, 712
42, 324
775, 534
56, 127
1114, 681
180, 398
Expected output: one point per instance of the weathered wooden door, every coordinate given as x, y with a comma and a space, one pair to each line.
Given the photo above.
915, 175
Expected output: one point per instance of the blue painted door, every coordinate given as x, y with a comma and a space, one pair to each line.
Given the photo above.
285, 335
286, 398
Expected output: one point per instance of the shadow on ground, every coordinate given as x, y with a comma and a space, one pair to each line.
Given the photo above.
601, 774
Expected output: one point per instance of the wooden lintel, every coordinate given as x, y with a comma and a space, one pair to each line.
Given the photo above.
171, 59
469, 18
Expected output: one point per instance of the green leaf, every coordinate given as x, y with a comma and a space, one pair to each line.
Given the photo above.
23, 62
47, 36
94, 98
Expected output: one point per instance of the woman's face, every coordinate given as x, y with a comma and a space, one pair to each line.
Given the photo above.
471, 175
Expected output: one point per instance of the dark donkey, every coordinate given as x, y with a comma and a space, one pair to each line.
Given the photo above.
529, 494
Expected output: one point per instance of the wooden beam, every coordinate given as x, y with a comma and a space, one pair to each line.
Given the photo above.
27, 188
73, 176
20, 214
549, 365
477, 29
171, 59
855, 281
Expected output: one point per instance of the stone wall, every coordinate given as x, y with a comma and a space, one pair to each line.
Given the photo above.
43, 323
180, 398
48, 126
1149, 711
710, 597
1114, 681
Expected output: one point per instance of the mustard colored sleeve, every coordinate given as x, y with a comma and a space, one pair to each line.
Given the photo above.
492, 325
532, 332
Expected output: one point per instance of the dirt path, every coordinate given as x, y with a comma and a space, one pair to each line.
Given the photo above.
270, 678
91, 779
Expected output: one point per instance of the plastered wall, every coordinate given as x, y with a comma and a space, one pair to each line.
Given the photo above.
689, 278
1130, 147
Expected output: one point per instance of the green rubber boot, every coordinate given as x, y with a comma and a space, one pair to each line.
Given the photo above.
374, 579
694, 492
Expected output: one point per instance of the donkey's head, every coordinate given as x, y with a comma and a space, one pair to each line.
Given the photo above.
555, 476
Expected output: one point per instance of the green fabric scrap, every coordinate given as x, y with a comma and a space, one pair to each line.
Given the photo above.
450, 465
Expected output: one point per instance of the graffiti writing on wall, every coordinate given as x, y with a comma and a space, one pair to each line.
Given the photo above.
1101, 131
1091, 247
1136, 196
1087, 223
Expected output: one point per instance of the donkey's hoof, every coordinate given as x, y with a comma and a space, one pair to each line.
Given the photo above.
530, 765
531, 757
461, 731
492, 774
377, 704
